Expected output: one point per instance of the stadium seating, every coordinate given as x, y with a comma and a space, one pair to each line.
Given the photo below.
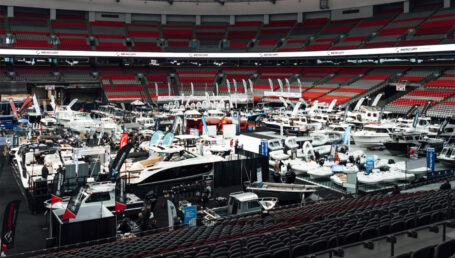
387, 28
72, 31
279, 73
271, 33
110, 35
418, 97
389, 35
238, 74
158, 79
31, 30
122, 87
241, 33
203, 81
291, 232
178, 37
330, 34
210, 35
447, 80
302, 32
145, 36
34, 73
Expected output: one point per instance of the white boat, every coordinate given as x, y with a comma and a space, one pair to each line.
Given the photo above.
283, 191
401, 166
321, 172
94, 194
373, 135
302, 167
168, 164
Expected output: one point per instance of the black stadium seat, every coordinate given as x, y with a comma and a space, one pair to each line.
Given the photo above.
425, 252
446, 249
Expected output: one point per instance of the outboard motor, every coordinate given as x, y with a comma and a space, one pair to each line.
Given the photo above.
351, 159
391, 161
321, 162
290, 177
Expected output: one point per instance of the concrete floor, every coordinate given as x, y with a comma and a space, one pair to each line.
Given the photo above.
29, 230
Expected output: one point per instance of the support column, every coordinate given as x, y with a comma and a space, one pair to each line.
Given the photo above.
266, 19
231, 20
10, 11
163, 19
299, 17
128, 18
53, 14
446, 3
198, 20
406, 6
91, 16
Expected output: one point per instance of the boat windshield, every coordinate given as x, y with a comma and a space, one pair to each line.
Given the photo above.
445, 151
179, 156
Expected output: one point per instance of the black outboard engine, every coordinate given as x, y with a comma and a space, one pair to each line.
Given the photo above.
351, 159
321, 162
391, 161
290, 177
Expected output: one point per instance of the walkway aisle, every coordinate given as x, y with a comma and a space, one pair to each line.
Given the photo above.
29, 233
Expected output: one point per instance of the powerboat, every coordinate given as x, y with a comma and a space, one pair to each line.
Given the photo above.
372, 136
447, 155
283, 191
168, 164
402, 141
94, 194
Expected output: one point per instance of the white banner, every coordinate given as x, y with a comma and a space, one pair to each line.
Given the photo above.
352, 52
282, 94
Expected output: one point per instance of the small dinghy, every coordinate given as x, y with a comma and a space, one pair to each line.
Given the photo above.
302, 167
322, 172
278, 155
373, 178
401, 166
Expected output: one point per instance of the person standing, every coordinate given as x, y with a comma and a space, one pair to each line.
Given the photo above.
44, 172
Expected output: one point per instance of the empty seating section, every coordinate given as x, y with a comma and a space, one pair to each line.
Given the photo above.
391, 33
331, 33
387, 28
122, 87
418, 74
203, 81
2, 30
343, 77
31, 30
447, 80
311, 76
76, 73
145, 36
178, 37
433, 30
238, 74
291, 232
34, 73
210, 36
158, 80
241, 33
271, 33
276, 74
362, 30
110, 35
417, 97
443, 109
72, 32
302, 32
